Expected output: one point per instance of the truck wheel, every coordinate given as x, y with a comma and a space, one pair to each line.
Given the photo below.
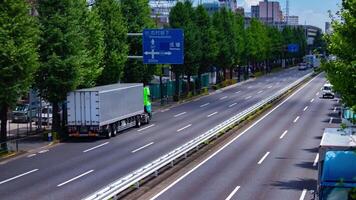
138, 122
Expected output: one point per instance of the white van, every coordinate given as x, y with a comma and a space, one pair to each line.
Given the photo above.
327, 91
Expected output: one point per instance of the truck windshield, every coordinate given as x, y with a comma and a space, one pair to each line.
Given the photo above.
21, 108
335, 193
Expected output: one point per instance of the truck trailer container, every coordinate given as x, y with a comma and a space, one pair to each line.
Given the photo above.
337, 165
105, 110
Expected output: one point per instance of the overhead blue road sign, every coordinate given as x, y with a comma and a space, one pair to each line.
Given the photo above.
163, 46
293, 48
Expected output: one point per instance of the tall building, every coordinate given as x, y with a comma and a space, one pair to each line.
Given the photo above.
292, 20
270, 12
160, 10
211, 7
255, 12
328, 28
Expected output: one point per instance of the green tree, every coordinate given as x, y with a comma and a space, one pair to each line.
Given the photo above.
207, 42
342, 43
62, 51
255, 35
239, 37
223, 24
137, 16
115, 40
18, 55
94, 43
182, 16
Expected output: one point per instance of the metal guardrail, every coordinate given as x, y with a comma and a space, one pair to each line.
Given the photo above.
136, 176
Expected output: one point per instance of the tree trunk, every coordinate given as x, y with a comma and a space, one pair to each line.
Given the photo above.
176, 96
199, 82
56, 125
3, 132
188, 83
224, 75
231, 72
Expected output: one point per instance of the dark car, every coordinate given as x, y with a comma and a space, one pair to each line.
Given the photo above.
302, 66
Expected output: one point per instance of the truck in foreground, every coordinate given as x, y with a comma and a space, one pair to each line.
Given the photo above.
106, 110
337, 165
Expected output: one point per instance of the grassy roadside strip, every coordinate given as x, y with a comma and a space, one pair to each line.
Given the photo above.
172, 172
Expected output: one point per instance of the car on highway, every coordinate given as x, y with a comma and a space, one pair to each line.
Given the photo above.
327, 91
23, 113
302, 66
45, 115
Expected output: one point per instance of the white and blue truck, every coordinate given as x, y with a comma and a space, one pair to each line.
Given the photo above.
337, 165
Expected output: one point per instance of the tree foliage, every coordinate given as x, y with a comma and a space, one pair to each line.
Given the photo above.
137, 17
66, 61
18, 54
115, 40
342, 43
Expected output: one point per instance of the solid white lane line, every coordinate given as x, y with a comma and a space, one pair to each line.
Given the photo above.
331, 120
263, 158
335, 109
269, 87
237, 92
18, 176
180, 114
232, 193
296, 119
98, 146
43, 151
248, 97
214, 113
316, 160
231, 141
232, 105
283, 134
144, 146
302, 196
259, 92
317, 94
147, 127
185, 127
75, 178
31, 155
312, 100
204, 105
306, 107
222, 98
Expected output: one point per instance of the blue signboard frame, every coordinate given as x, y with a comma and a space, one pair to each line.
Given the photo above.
163, 46
293, 48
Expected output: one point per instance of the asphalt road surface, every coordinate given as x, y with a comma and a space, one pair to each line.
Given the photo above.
76, 169
273, 159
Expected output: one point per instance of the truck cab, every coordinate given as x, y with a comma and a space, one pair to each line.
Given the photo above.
337, 165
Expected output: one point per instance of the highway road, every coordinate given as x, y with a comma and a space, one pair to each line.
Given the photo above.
76, 169
274, 158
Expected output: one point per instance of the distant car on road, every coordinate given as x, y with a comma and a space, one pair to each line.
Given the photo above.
327, 91
45, 115
303, 66
23, 113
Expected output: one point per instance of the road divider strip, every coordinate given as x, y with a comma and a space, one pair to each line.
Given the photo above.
283, 134
152, 168
263, 158
147, 127
98, 146
212, 114
18, 176
185, 127
232, 193
75, 178
144, 146
180, 114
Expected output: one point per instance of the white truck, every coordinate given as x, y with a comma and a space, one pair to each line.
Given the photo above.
105, 110
337, 165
